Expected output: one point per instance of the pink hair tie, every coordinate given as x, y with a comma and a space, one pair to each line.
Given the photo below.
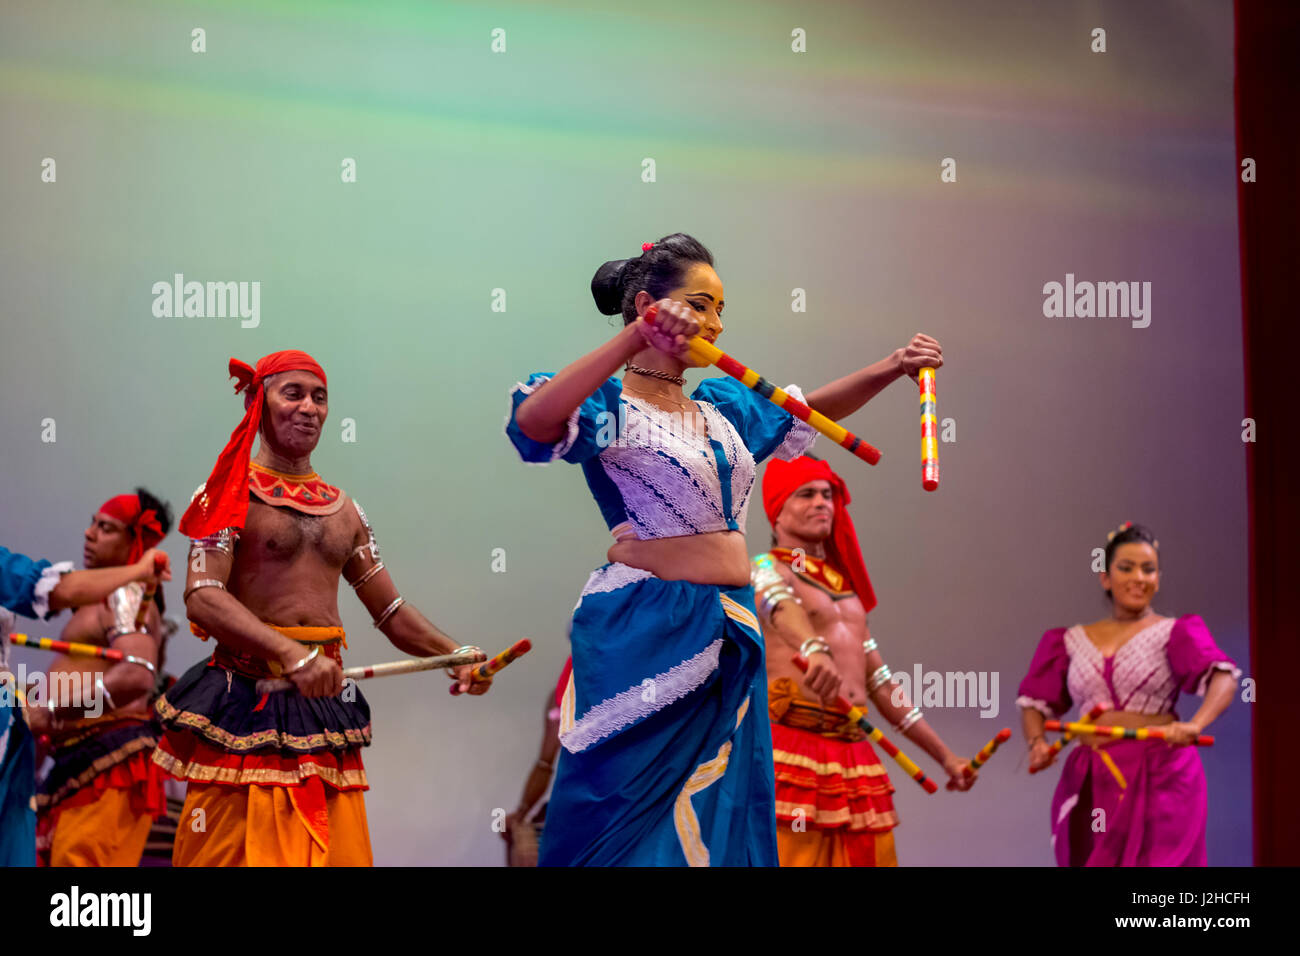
647, 246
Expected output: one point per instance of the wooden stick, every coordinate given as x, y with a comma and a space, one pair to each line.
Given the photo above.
708, 352
929, 431
269, 685
859, 715
988, 750
71, 648
486, 670
1126, 733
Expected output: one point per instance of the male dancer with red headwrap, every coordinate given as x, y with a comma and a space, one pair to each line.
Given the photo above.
833, 802
277, 779
97, 803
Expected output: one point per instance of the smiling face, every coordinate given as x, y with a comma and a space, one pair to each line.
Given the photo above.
807, 514
702, 293
294, 414
1133, 577
107, 542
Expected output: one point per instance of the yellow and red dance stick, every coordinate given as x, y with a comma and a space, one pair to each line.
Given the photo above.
929, 431
988, 750
1126, 733
860, 716
708, 352
485, 670
269, 685
71, 648
1058, 745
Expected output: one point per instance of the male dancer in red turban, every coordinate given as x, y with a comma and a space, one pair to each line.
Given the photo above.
98, 801
833, 802
277, 779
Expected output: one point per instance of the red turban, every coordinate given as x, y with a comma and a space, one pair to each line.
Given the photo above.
784, 478
142, 522
224, 501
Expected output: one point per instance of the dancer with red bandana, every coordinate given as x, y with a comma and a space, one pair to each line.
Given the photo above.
833, 798
277, 780
98, 801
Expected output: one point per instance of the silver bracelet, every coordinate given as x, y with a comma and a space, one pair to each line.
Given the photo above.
204, 583
315, 652
814, 645
389, 611
879, 678
132, 659
911, 717
869, 645
103, 691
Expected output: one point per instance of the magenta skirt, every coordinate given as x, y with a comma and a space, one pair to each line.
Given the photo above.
1141, 804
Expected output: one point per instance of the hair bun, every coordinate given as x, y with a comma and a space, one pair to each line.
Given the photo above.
607, 286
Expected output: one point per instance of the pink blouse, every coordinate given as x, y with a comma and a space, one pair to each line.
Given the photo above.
1145, 676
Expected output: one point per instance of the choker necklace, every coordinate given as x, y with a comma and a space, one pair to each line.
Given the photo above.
655, 373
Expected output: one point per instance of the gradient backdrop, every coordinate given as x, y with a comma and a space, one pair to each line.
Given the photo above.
522, 171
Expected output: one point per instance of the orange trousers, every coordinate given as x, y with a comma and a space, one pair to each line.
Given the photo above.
833, 847
108, 831
224, 825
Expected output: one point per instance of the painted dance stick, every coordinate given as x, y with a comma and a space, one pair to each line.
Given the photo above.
708, 352
485, 670
1127, 733
988, 750
859, 715
72, 648
268, 685
1058, 745
929, 431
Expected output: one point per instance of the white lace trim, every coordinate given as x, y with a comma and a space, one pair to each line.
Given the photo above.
1038, 705
1204, 684
801, 436
45, 585
615, 713
611, 578
560, 448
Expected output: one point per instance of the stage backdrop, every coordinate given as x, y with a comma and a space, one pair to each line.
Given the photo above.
419, 196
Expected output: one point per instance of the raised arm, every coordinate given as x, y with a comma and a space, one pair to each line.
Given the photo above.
844, 396
78, 588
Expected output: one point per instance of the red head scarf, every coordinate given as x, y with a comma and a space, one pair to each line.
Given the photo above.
224, 501
784, 478
141, 522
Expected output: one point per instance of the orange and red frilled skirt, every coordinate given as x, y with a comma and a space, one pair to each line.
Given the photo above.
834, 803
96, 805
273, 779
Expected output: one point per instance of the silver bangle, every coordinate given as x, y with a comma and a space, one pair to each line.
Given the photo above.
368, 575
869, 645
132, 659
389, 611
879, 678
223, 541
469, 649
204, 583
814, 645
315, 652
910, 718
103, 691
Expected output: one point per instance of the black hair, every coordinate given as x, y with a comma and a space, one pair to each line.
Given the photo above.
1128, 535
164, 511
658, 271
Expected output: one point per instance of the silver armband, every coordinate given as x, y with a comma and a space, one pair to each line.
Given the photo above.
204, 583
371, 544
879, 678
124, 603
910, 718
223, 541
389, 612
869, 645
770, 588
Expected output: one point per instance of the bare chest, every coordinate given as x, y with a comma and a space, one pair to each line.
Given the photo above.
284, 536
827, 612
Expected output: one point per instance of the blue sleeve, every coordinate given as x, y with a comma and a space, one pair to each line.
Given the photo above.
591, 428
763, 427
18, 577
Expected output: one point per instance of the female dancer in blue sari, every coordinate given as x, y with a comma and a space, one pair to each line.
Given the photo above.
667, 756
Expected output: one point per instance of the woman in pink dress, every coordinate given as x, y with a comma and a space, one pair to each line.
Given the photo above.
1128, 802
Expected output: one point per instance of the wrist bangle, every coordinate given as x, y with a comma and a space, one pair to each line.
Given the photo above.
910, 718
814, 645
315, 652
389, 612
